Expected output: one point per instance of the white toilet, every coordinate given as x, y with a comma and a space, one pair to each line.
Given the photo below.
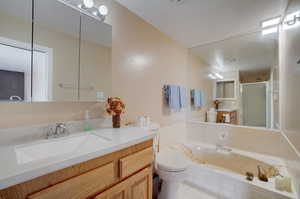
171, 168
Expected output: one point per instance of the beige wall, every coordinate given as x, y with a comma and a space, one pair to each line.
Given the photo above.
143, 61
15, 114
197, 79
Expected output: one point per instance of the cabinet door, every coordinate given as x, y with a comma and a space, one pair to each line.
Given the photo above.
138, 186
80, 187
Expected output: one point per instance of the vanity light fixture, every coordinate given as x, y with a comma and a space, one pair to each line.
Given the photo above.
88, 7
219, 76
88, 3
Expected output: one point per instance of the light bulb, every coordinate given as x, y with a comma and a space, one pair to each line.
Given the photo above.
88, 3
103, 10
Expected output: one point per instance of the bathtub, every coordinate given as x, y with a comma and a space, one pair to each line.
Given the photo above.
221, 172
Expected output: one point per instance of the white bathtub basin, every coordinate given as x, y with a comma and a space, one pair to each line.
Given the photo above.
60, 146
223, 172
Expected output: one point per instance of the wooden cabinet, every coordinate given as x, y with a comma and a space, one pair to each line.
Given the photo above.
125, 174
138, 186
82, 186
221, 118
134, 162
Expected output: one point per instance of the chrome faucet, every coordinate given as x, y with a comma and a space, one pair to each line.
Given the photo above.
59, 130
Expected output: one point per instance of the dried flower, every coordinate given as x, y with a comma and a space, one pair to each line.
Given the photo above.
115, 106
217, 102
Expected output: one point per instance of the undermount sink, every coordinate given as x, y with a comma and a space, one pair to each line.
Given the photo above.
60, 146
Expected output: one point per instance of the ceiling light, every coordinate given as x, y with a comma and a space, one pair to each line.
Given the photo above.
271, 22
88, 3
212, 76
219, 76
270, 31
103, 10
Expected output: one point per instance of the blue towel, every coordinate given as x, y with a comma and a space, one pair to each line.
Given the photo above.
182, 93
198, 98
173, 96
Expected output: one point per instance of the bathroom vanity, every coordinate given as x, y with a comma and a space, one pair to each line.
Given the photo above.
121, 168
232, 114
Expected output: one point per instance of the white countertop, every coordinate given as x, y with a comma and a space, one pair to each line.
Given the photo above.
13, 171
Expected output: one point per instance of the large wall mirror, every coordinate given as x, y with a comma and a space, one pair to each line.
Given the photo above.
15, 50
243, 75
65, 55
95, 60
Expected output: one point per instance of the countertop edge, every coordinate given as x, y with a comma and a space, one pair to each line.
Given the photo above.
29, 175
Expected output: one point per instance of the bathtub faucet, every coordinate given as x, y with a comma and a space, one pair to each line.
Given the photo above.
220, 147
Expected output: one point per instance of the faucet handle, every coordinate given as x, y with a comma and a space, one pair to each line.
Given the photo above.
50, 132
61, 129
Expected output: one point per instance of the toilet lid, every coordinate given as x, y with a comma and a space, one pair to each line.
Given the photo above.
171, 161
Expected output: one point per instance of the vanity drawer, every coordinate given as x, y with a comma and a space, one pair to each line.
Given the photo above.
83, 186
135, 162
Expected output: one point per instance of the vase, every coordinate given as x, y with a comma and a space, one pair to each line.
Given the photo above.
116, 120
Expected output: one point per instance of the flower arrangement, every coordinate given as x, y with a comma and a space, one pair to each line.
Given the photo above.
217, 103
115, 107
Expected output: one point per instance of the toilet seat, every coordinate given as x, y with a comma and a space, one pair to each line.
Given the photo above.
171, 161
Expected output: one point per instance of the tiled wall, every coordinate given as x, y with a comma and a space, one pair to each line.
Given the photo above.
244, 138
18, 114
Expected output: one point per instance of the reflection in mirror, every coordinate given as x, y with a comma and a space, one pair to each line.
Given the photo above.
242, 76
225, 89
15, 50
56, 52
95, 59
